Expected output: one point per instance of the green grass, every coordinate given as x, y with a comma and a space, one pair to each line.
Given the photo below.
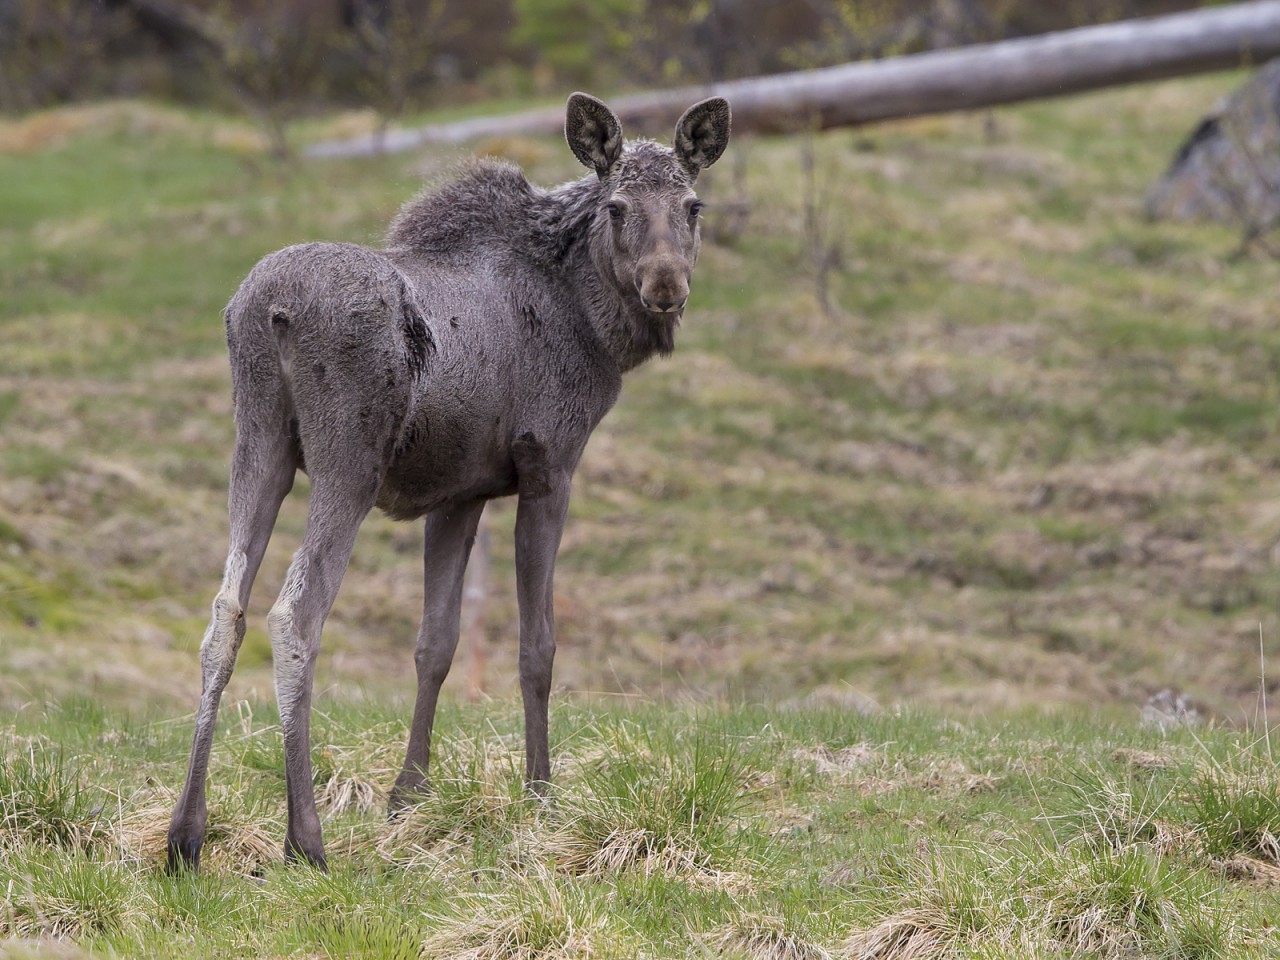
42, 802
736, 830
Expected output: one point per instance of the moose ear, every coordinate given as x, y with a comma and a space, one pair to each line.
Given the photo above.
703, 133
593, 132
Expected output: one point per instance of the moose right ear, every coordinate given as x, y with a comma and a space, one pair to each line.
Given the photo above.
593, 132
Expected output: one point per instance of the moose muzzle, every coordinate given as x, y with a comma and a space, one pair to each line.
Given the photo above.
663, 283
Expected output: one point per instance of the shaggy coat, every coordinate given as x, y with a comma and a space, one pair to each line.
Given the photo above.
469, 359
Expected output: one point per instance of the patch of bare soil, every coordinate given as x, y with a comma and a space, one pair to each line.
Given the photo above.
1242, 867
1142, 759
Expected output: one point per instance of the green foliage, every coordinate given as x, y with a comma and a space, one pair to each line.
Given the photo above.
579, 39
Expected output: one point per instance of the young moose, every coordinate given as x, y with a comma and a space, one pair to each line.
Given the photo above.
470, 359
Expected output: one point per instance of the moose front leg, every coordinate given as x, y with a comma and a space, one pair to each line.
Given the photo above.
449, 536
540, 518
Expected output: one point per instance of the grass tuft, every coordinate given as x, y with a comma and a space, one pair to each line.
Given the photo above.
362, 936
536, 914
475, 796
1077, 899
178, 902
355, 768
1115, 816
43, 802
757, 936
60, 897
1235, 809
668, 806
1114, 902
913, 933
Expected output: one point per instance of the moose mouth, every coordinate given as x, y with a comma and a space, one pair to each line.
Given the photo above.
664, 309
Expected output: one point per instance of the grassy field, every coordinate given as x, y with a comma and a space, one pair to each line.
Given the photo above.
674, 832
859, 599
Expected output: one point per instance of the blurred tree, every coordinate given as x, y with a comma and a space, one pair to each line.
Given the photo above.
673, 42
52, 50
581, 41
397, 45
276, 56
273, 60
272, 57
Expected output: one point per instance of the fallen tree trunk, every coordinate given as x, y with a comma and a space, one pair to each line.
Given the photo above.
982, 75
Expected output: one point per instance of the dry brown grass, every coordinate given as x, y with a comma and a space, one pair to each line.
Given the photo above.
1136, 759
918, 933
1252, 869
49, 129
239, 840
626, 850
413, 838
358, 775
350, 792
851, 761
755, 936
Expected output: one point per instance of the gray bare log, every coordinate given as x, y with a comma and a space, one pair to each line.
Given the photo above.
964, 78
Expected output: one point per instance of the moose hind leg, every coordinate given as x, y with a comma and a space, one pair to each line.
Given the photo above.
262, 472
294, 625
449, 537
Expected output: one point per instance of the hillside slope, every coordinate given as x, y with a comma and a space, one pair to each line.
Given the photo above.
1019, 448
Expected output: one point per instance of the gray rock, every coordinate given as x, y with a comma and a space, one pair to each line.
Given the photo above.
1169, 709
1228, 168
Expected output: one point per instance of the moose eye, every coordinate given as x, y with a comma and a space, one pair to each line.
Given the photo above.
615, 210
695, 209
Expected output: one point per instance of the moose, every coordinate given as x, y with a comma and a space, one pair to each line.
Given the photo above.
469, 359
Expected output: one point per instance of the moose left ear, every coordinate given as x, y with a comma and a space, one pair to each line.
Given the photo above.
703, 133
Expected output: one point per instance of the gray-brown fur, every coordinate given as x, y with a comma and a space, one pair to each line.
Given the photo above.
469, 359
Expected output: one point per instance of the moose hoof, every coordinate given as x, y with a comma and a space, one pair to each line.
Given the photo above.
408, 792
184, 854
295, 852
540, 792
